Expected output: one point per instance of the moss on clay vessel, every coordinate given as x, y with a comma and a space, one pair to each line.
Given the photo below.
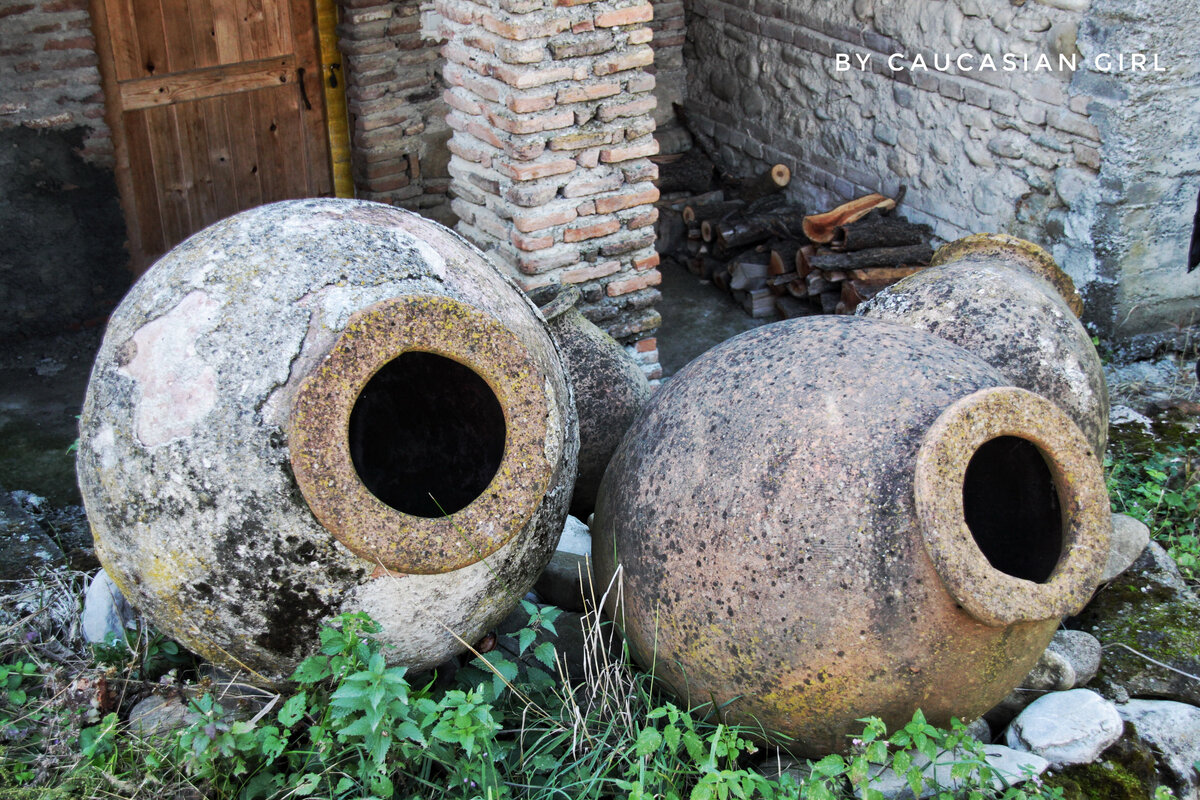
610, 388
835, 517
322, 406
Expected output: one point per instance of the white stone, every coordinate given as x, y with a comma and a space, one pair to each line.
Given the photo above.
576, 538
1011, 767
1173, 732
105, 610
1065, 728
1120, 415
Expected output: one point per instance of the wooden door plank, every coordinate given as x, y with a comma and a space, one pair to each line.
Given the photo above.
201, 83
203, 24
196, 161
241, 128
250, 28
279, 25
220, 156
165, 155
177, 32
152, 39
226, 35
143, 193
122, 37
274, 156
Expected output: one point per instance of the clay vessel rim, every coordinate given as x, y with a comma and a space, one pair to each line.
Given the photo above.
555, 299
319, 448
991, 596
1016, 252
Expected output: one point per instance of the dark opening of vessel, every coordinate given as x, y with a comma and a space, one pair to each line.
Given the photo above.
426, 434
1011, 506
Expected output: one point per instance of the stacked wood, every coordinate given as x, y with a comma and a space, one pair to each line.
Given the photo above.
776, 261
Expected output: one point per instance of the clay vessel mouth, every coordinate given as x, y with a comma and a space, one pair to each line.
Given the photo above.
1012, 507
1000, 248
419, 441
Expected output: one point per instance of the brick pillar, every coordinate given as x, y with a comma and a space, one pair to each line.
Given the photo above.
551, 112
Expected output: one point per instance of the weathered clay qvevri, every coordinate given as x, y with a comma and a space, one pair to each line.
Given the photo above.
990, 303
829, 518
1014, 251
266, 372
610, 388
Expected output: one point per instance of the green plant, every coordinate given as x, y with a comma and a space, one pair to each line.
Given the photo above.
1157, 481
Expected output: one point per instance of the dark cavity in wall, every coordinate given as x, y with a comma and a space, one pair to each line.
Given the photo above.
63, 262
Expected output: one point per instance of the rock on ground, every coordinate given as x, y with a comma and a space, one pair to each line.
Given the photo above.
1011, 766
1129, 538
1079, 649
105, 610
560, 583
1172, 730
1148, 609
1064, 728
25, 549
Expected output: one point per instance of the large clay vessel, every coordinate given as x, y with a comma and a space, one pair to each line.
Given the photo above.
323, 406
1006, 301
835, 517
610, 388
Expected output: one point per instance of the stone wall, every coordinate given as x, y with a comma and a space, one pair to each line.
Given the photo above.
1076, 160
552, 112
394, 98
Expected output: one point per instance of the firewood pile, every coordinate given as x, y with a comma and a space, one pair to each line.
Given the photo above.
772, 257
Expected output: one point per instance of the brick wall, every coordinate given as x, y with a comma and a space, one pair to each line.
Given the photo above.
1050, 155
552, 112
49, 75
394, 98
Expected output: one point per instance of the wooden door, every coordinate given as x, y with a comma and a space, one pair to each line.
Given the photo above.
216, 106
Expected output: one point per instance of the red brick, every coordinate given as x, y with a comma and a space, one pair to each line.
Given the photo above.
522, 29
527, 103
65, 5
614, 154
610, 111
625, 16
622, 244
529, 77
616, 202
642, 82
525, 148
579, 140
647, 345
582, 274
640, 36
643, 219
14, 10
641, 56
589, 158
529, 243
591, 230
580, 94
539, 169
540, 218
588, 185
627, 285
583, 26
545, 260
470, 151
77, 43
476, 128
573, 2
533, 123
524, 53
458, 99
651, 260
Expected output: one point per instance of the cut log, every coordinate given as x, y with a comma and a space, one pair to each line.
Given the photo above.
910, 255
695, 213
783, 256
820, 227
790, 308
817, 284
759, 303
740, 230
830, 300
883, 274
691, 172
877, 230
720, 279
802, 256
856, 291
778, 283
798, 288
748, 272
769, 182
709, 266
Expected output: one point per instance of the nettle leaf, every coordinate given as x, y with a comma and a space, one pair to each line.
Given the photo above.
544, 653
525, 637
312, 670
648, 741
292, 710
831, 766
359, 727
